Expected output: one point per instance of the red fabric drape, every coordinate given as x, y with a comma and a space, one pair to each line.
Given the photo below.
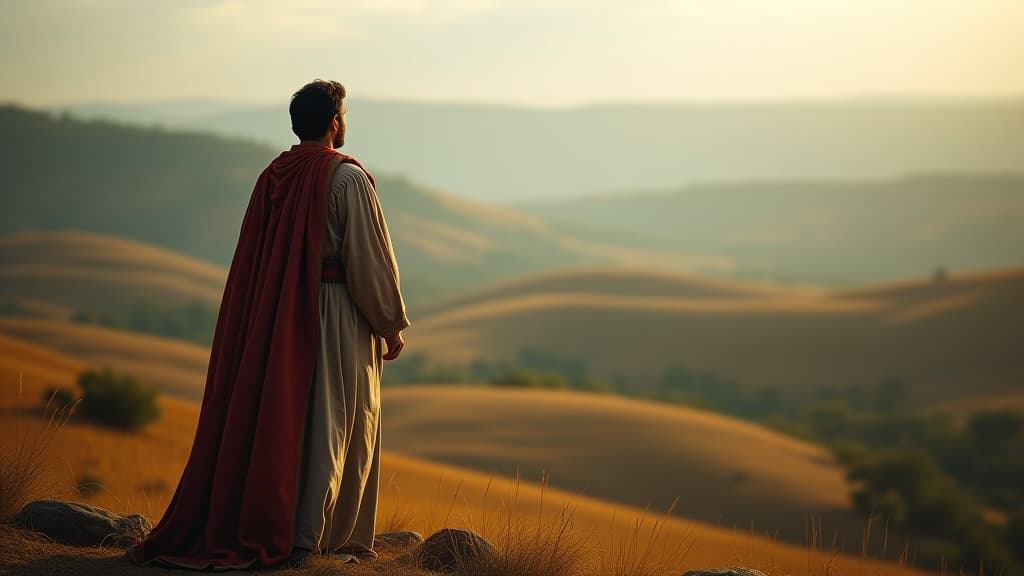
234, 506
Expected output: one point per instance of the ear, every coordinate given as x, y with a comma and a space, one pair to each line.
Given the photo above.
335, 125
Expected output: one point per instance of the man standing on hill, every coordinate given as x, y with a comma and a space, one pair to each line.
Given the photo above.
286, 457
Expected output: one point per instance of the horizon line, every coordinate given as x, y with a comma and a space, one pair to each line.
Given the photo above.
880, 98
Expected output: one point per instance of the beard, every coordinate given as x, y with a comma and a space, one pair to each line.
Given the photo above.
339, 139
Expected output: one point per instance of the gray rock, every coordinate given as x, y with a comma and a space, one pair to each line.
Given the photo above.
731, 571
81, 524
401, 538
451, 548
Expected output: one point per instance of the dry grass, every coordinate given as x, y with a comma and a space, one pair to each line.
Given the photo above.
538, 530
725, 471
529, 546
22, 459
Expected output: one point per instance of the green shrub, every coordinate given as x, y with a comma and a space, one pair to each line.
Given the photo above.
118, 401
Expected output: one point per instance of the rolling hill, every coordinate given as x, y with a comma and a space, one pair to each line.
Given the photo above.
66, 272
187, 192
139, 473
23, 364
723, 471
480, 151
173, 367
603, 447
829, 232
946, 339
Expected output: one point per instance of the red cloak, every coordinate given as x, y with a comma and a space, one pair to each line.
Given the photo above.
234, 506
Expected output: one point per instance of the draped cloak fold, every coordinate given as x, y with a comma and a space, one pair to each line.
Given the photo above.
235, 503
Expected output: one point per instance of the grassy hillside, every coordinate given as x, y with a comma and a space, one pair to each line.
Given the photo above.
823, 231
505, 154
140, 471
599, 446
175, 368
946, 339
637, 453
27, 365
80, 271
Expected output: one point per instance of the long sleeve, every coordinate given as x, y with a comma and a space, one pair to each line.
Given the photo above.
371, 270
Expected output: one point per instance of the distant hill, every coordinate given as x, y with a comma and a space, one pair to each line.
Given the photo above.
179, 190
507, 154
827, 231
188, 192
57, 274
945, 339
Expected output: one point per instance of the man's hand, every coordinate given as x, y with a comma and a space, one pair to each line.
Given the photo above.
395, 345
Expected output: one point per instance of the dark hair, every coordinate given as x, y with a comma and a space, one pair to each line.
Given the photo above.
313, 106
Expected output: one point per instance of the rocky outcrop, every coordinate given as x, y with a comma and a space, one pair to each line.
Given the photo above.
451, 549
80, 524
732, 571
401, 539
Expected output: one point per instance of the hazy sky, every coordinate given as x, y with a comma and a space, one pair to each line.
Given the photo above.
529, 52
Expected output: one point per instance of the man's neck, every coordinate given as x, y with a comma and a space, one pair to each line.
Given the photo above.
327, 140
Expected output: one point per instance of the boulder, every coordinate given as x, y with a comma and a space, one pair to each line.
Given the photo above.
451, 548
401, 538
731, 571
80, 524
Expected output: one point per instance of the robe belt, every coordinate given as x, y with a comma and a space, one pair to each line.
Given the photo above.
333, 271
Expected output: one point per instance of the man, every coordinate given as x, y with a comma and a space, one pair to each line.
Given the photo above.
286, 457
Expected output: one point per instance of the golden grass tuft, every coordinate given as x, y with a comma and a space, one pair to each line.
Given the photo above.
537, 546
22, 460
635, 555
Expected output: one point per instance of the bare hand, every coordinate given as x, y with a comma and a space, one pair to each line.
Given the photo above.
395, 345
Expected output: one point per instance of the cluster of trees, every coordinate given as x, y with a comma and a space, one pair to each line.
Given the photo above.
532, 368
708, 391
921, 471
942, 481
192, 321
119, 401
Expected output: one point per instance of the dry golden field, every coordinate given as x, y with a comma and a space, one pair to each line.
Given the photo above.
724, 471
139, 472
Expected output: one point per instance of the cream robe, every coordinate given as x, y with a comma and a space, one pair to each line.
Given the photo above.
337, 504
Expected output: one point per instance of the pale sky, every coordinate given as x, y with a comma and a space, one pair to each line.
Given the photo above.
519, 52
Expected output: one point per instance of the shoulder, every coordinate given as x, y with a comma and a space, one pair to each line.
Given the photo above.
351, 179
353, 185
348, 173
